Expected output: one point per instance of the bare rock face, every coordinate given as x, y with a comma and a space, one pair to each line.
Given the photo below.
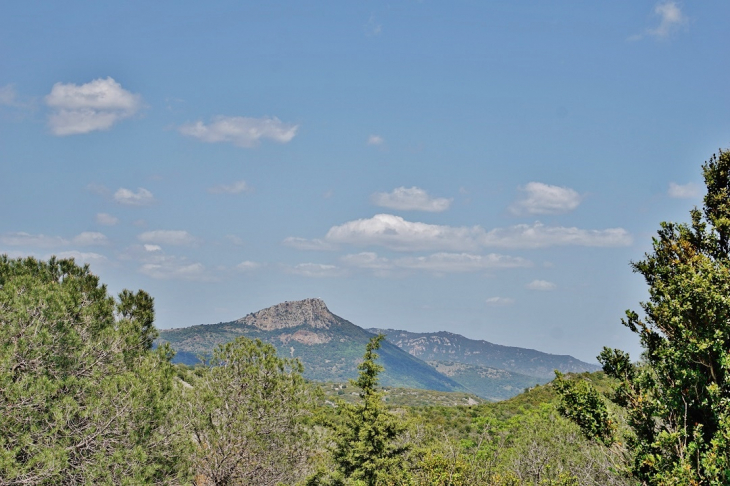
312, 312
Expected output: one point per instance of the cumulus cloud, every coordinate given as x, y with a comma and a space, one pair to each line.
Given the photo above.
500, 301
241, 131
316, 270
142, 197
375, 140
148, 247
96, 105
305, 244
543, 285
684, 191
539, 198
90, 238
670, 19
408, 199
106, 219
398, 234
234, 188
33, 241
168, 237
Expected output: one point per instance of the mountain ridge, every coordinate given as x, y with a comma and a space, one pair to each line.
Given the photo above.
448, 346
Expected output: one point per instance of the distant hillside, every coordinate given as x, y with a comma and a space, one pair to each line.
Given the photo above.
446, 346
490, 383
329, 347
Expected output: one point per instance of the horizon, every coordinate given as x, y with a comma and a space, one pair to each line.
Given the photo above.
486, 169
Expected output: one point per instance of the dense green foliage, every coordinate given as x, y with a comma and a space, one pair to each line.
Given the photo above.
245, 413
677, 399
83, 399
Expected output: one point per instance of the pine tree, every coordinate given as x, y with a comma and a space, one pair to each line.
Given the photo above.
366, 448
83, 397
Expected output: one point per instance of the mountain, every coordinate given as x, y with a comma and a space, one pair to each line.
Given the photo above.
329, 346
446, 346
490, 383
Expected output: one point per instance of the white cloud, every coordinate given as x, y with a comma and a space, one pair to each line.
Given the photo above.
539, 198
398, 234
241, 131
142, 197
247, 266
373, 28
235, 240
316, 270
106, 219
98, 189
437, 262
538, 235
367, 259
670, 16
158, 265
500, 301
305, 244
407, 199
670, 19
375, 140
8, 96
168, 237
460, 262
235, 188
543, 285
81, 257
683, 191
33, 241
90, 238
96, 105
172, 268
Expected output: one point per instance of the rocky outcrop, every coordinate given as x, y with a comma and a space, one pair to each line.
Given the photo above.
310, 312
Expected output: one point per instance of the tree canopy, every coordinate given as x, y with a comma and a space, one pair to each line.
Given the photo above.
83, 397
677, 398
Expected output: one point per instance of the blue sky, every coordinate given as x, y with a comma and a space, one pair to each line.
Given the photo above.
486, 168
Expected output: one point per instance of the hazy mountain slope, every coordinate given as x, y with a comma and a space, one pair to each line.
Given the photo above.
446, 346
329, 347
490, 383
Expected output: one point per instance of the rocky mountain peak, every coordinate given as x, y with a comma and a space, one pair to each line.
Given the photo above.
311, 312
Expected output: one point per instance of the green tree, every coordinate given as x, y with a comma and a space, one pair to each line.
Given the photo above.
83, 397
246, 413
366, 448
677, 400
